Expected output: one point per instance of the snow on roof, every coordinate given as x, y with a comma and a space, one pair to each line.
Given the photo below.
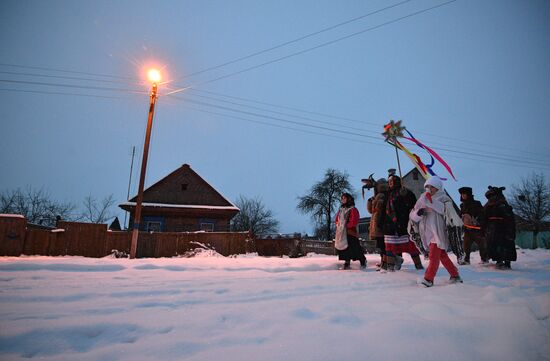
12, 216
186, 206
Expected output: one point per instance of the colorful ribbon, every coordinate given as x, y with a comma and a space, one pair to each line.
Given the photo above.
424, 169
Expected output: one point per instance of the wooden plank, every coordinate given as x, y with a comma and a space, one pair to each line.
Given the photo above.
37, 242
12, 235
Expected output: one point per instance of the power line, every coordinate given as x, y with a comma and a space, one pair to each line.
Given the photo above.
377, 133
65, 71
67, 77
59, 93
527, 164
332, 27
281, 126
357, 121
71, 86
314, 48
332, 136
484, 156
274, 118
275, 112
445, 148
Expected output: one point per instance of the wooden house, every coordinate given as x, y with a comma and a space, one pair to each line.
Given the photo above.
182, 202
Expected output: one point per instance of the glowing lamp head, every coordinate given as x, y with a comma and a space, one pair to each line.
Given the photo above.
154, 76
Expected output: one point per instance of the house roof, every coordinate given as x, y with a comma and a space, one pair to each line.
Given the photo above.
183, 188
181, 206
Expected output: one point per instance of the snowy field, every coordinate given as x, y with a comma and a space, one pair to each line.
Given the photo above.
254, 308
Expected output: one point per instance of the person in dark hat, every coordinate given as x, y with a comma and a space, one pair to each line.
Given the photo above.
471, 212
500, 231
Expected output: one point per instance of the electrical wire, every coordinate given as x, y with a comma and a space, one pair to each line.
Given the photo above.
242, 58
62, 85
332, 136
313, 48
65, 71
59, 93
339, 131
357, 121
68, 78
332, 27
274, 118
362, 134
377, 133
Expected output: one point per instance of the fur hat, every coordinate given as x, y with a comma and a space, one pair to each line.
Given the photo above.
494, 192
465, 190
435, 182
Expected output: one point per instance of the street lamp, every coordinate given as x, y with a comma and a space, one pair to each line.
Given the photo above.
154, 78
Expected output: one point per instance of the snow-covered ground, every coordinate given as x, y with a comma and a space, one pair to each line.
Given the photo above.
255, 308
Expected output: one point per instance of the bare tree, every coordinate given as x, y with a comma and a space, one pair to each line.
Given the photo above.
531, 201
322, 200
253, 217
95, 211
36, 205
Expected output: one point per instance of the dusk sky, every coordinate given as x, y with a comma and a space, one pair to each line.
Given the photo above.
264, 115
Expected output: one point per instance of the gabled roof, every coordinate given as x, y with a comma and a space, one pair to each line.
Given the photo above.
184, 188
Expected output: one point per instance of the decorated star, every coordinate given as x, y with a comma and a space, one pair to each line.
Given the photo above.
393, 130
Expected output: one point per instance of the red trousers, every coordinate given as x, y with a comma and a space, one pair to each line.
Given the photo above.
437, 255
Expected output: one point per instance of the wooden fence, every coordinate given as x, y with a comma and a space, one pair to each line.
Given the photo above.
94, 240
296, 247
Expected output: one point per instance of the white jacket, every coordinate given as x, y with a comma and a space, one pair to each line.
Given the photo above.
432, 225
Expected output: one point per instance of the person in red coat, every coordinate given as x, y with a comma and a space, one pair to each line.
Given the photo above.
346, 242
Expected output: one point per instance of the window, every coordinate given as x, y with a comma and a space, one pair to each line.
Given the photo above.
207, 227
153, 226
184, 186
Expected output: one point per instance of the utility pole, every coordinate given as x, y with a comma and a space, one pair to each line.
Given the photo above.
154, 76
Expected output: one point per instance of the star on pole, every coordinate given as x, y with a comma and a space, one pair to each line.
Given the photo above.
392, 130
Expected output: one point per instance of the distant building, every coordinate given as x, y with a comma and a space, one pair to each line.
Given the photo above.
182, 202
363, 227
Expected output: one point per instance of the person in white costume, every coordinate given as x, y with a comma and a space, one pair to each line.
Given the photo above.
429, 213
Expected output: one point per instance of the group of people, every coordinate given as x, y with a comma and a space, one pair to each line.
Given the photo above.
397, 215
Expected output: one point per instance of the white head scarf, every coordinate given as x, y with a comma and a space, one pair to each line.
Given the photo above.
435, 182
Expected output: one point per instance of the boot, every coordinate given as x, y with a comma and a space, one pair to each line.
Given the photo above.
427, 283
417, 262
390, 263
507, 265
455, 279
379, 264
382, 265
398, 262
464, 261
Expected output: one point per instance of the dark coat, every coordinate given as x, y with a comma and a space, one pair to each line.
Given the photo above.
474, 209
500, 230
396, 209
